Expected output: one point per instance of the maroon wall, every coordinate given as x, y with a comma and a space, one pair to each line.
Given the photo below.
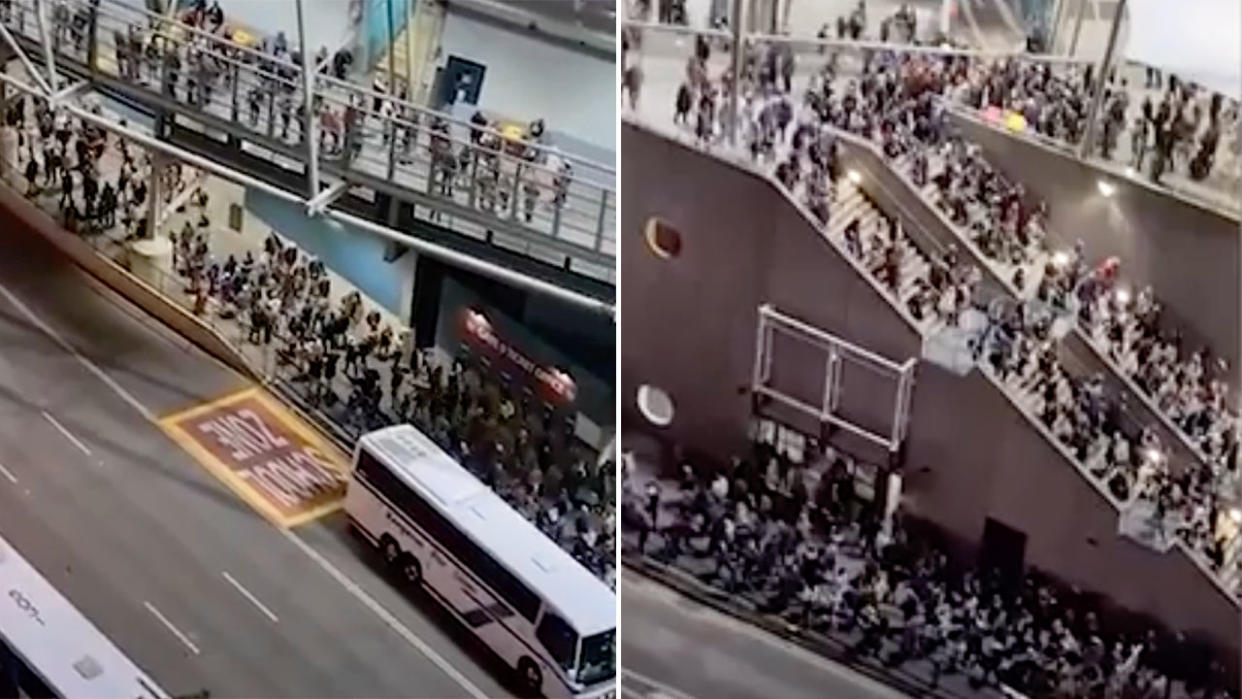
688, 326
972, 455
742, 245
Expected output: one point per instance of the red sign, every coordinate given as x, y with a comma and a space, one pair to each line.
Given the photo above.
553, 383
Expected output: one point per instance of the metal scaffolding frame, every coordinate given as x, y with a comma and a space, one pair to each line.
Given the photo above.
839, 351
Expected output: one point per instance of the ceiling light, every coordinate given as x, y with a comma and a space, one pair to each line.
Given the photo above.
854, 176
1106, 188
1060, 258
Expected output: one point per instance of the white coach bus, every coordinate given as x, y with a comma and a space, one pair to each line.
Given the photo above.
440, 527
47, 648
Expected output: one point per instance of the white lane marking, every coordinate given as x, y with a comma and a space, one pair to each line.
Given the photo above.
386, 616
250, 596
90, 366
344, 580
656, 688
176, 631
68, 435
8, 474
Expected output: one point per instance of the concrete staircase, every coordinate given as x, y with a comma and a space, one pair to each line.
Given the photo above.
1032, 270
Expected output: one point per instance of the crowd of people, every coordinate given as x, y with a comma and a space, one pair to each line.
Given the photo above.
62, 158
1169, 124
893, 101
1187, 129
350, 364
340, 355
796, 540
900, 27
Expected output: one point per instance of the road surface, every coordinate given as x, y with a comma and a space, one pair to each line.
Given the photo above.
184, 576
675, 648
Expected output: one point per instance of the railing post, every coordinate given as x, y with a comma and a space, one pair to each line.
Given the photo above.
271, 111
92, 46
474, 175
236, 79
603, 216
556, 212
517, 185
392, 146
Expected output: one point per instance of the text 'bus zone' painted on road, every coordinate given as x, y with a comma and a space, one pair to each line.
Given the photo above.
266, 455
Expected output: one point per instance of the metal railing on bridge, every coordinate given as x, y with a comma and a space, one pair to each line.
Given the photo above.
478, 181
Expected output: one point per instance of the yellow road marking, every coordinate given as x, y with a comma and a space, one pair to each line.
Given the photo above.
178, 425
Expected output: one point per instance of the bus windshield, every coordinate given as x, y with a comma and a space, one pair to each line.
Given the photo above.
599, 657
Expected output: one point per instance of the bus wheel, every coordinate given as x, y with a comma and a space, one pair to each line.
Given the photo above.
530, 675
411, 570
391, 551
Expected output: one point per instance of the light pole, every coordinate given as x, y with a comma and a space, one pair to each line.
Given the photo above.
1101, 79
308, 104
735, 71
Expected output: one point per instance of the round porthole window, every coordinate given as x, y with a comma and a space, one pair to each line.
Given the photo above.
655, 405
662, 239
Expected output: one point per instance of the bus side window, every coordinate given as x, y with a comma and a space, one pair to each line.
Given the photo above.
560, 640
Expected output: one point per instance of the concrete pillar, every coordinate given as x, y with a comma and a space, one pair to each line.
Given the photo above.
309, 130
